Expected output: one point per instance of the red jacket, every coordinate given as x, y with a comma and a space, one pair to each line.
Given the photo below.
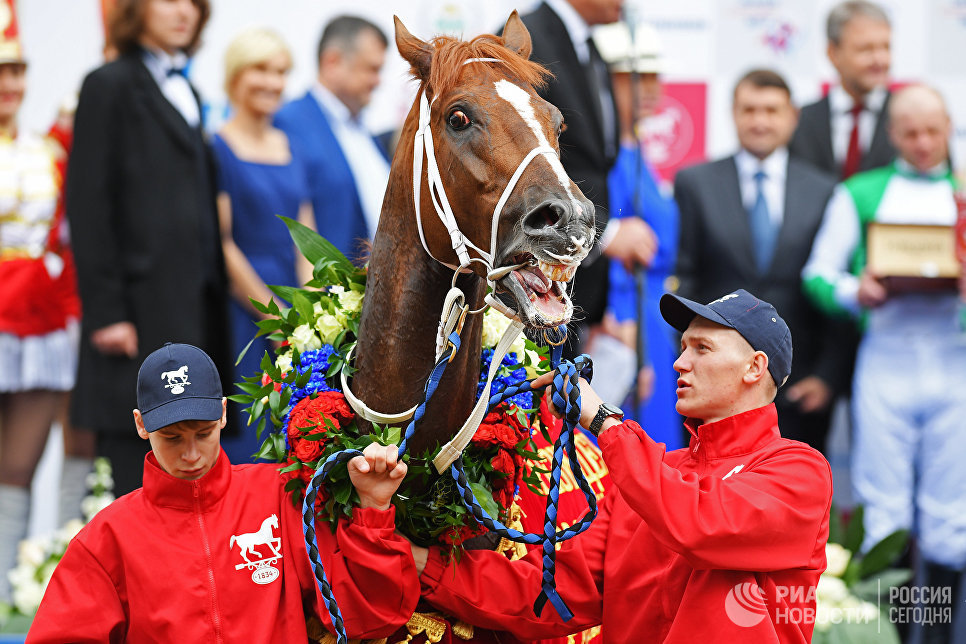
166, 564
723, 541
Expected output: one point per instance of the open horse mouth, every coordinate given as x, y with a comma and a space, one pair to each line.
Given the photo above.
540, 291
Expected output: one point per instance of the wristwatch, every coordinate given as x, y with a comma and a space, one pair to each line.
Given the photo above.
606, 410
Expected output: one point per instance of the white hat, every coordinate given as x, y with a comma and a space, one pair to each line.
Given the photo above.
614, 44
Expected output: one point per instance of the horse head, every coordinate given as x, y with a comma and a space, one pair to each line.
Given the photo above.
492, 160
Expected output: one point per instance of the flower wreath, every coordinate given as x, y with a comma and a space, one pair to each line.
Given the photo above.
302, 416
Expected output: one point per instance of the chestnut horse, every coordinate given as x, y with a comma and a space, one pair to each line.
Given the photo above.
489, 129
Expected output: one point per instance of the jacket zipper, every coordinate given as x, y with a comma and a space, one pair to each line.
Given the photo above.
215, 617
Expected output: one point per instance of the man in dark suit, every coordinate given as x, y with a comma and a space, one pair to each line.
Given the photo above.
846, 131
141, 204
347, 167
748, 221
581, 90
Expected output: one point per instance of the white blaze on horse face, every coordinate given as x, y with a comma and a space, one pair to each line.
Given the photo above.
520, 100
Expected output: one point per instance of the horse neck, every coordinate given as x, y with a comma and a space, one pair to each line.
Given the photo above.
397, 331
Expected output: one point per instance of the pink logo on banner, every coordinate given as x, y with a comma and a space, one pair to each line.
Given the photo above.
674, 136
779, 36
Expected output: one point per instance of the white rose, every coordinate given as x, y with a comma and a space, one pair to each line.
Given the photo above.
91, 505
838, 559
304, 338
329, 327
831, 590
351, 301
284, 362
31, 553
336, 289
869, 612
494, 325
72, 527
533, 360
27, 596
317, 309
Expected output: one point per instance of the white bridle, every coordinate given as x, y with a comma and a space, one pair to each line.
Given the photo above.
455, 308
423, 146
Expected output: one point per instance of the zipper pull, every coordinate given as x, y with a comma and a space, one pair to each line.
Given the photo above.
694, 450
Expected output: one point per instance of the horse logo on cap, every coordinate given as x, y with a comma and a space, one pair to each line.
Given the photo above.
729, 296
177, 379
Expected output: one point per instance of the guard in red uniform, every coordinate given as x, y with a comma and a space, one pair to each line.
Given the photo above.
208, 551
721, 541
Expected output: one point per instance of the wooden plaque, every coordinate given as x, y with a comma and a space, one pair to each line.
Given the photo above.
913, 257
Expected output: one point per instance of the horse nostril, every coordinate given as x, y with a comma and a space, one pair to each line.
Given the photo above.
545, 216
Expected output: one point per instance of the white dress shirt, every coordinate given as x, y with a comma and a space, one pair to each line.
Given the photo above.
775, 167
369, 167
175, 87
840, 107
577, 27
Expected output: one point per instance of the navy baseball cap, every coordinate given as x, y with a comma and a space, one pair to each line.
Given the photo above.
756, 320
178, 382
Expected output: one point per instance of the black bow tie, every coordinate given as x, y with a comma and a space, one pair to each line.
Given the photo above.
178, 71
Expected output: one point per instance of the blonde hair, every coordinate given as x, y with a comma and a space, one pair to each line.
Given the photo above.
251, 47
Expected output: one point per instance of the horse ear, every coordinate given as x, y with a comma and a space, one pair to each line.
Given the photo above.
418, 53
516, 37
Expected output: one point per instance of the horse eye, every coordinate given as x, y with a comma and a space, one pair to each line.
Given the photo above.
458, 120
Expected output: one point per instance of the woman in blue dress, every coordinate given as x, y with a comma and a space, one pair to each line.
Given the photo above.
258, 178
635, 192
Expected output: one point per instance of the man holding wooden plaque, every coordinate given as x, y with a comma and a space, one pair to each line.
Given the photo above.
885, 253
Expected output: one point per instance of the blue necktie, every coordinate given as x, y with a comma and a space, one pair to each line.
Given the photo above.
763, 231
178, 71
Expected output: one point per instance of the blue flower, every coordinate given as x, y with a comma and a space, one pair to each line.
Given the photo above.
316, 361
510, 373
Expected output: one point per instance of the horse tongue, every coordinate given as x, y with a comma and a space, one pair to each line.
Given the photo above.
534, 280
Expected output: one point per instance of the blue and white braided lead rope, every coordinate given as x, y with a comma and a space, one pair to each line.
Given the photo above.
565, 395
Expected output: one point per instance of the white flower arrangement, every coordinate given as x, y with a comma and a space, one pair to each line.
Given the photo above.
849, 597
38, 557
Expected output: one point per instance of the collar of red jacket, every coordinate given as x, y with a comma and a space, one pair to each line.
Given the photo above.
171, 492
736, 435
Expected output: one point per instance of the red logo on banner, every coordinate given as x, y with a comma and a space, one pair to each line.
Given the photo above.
674, 136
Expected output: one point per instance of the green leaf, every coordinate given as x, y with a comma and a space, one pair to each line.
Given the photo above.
314, 247
342, 493
485, 499
877, 586
252, 388
286, 293
243, 352
304, 307
261, 308
240, 398
835, 530
884, 553
854, 533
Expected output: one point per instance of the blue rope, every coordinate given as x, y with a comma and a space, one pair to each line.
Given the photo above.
565, 394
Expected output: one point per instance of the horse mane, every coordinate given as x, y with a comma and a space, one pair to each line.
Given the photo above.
450, 53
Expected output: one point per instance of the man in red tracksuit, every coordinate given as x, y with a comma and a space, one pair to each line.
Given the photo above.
208, 551
723, 541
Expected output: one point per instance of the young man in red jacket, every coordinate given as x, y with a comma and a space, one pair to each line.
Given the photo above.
210, 551
721, 541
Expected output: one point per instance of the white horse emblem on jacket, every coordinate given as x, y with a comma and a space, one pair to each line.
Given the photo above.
248, 544
177, 379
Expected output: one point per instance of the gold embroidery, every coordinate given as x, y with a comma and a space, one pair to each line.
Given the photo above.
463, 630
424, 624
515, 550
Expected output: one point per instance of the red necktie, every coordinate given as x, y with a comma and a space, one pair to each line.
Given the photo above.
854, 154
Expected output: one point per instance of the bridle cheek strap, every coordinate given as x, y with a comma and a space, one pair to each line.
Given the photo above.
423, 146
